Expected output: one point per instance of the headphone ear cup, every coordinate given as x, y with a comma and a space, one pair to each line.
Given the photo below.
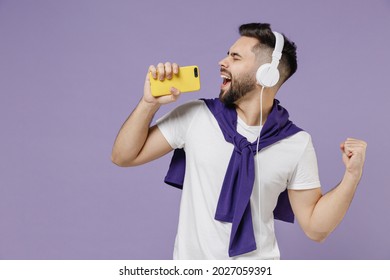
266, 76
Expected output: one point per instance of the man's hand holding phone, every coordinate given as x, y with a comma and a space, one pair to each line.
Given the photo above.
166, 82
161, 72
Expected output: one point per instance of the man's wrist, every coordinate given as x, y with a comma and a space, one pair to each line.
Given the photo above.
352, 177
149, 106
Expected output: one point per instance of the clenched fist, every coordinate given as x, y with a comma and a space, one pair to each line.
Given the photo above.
354, 154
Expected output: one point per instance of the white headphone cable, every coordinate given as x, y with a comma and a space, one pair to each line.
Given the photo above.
257, 159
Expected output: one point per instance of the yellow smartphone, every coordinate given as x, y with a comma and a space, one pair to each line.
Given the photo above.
187, 80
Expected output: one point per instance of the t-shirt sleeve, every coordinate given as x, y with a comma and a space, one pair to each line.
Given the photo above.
175, 124
305, 175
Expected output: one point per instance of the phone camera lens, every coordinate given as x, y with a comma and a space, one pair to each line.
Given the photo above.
196, 72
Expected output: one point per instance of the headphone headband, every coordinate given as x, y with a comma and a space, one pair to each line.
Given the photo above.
277, 53
268, 74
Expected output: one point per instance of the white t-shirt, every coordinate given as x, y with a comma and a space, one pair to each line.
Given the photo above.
289, 163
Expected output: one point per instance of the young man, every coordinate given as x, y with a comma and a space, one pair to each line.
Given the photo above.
231, 192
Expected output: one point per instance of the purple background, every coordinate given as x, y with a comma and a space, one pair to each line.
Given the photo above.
72, 71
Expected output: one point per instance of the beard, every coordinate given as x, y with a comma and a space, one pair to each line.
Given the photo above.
238, 89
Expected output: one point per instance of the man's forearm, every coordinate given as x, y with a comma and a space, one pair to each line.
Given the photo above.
129, 146
133, 133
332, 207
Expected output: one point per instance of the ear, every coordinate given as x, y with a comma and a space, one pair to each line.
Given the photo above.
267, 76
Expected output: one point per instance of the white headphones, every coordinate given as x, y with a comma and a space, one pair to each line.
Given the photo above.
268, 74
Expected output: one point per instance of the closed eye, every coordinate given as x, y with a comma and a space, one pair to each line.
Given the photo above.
236, 56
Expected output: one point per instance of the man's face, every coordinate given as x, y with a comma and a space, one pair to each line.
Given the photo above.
238, 71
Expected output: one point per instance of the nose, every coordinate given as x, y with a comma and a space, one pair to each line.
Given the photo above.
224, 63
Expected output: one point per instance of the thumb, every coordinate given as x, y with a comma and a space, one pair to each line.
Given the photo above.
344, 149
175, 94
344, 154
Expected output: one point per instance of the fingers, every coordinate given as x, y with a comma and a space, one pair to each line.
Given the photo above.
168, 70
352, 146
353, 155
164, 70
161, 71
175, 68
153, 71
352, 142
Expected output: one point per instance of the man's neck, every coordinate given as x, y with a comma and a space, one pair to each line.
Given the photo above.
248, 107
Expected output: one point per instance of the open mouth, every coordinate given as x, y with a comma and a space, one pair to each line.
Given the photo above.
226, 80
